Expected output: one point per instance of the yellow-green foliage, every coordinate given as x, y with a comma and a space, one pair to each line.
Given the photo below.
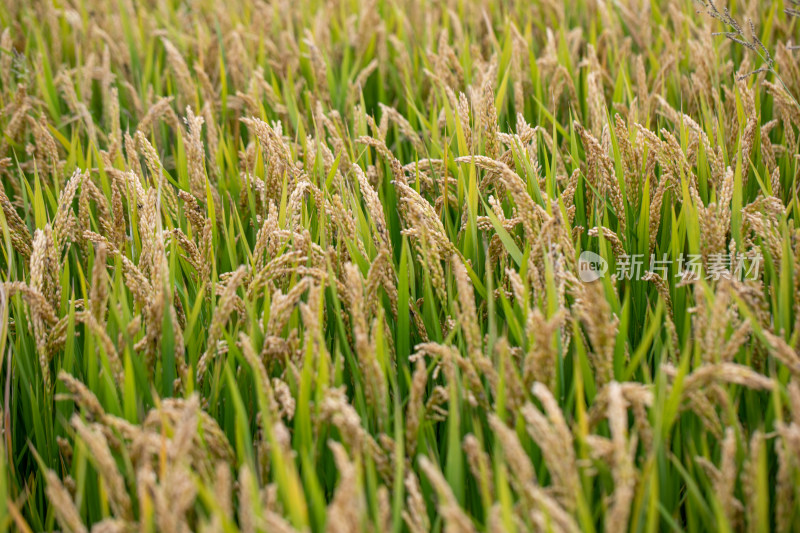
316, 265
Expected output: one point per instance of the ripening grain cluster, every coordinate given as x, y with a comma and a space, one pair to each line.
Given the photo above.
316, 265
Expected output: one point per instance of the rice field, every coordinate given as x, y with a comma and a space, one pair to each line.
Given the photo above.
399, 265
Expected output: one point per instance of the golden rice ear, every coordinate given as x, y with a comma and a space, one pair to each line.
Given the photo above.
195, 154
450, 510
7, 47
624, 450
489, 121
179, 69
101, 457
67, 514
555, 439
348, 503
415, 410
225, 306
466, 313
480, 464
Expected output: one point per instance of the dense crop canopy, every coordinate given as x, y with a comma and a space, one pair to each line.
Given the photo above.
399, 265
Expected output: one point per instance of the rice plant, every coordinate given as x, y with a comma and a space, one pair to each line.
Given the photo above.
399, 265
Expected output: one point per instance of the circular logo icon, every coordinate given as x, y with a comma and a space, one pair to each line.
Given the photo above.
591, 266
